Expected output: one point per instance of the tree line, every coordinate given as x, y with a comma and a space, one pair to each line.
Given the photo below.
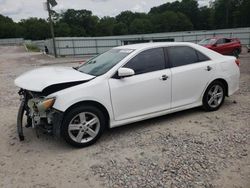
176, 16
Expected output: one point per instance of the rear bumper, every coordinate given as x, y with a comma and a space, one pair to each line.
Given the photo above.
233, 83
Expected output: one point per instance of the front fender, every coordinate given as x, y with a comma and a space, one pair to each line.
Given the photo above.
96, 92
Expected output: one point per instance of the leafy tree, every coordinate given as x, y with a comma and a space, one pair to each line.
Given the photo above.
205, 18
171, 21
63, 30
120, 29
191, 10
8, 28
105, 26
187, 7
243, 14
174, 6
175, 16
35, 29
183, 23
78, 19
125, 17
76, 31
140, 26
221, 13
231, 13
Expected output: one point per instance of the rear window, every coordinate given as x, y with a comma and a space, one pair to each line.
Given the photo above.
181, 55
184, 55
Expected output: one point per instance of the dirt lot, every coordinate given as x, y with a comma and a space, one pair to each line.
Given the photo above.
186, 149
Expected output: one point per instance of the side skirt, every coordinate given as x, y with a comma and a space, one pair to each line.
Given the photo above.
152, 115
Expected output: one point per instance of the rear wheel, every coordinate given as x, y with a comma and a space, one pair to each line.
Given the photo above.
214, 96
83, 125
236, 53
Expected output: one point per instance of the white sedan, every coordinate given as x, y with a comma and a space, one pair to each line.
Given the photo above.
124, 85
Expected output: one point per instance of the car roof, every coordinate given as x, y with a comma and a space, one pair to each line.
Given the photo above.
218, 37
153, 45
144, 46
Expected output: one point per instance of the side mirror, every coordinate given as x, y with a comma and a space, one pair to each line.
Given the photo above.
214, 45
125, 72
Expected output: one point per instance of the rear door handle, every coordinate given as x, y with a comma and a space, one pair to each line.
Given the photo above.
208, 68
164, 77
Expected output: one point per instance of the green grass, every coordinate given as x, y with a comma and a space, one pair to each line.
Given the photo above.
32, 48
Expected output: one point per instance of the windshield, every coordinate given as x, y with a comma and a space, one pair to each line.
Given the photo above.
207, 42
104, 62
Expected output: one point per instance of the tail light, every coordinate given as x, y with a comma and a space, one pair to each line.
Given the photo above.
237, 61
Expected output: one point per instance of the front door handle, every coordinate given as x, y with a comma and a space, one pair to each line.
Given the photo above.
208, 68
164, 77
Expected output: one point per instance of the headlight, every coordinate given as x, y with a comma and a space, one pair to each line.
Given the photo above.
41, 104
45, 104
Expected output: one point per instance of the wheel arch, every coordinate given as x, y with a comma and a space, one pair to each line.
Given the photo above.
92, 103
223, 81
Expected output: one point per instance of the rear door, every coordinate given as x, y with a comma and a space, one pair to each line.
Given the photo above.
148, 91
191, 71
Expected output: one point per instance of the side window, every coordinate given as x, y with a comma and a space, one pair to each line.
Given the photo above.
202, 57
182, 55
147, 61
228, 40
220, 41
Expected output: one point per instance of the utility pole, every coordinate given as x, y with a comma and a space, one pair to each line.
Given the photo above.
51, 27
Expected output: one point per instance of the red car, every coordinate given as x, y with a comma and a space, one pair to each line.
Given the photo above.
225, 46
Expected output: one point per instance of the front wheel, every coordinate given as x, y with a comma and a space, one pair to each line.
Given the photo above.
83, 125
214, 96
20, 121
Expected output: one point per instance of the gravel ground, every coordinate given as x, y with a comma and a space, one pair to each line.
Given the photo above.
192, 148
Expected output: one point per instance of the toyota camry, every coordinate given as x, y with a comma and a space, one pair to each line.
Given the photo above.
124, 85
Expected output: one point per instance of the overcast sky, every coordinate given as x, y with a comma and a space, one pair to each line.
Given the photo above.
21, 9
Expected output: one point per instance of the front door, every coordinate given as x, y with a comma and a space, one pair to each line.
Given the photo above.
148, 91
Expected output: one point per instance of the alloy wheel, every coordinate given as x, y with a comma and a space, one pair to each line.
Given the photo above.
215, 96
84, 127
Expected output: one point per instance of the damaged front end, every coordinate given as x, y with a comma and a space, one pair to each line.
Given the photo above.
39, 113
36, 85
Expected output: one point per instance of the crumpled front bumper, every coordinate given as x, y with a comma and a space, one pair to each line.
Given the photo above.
56, 121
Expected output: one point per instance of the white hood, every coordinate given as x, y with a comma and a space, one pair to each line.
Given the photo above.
38, 79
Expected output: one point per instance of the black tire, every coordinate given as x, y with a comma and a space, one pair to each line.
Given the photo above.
20, 121
73, 113
239, 51
207, 96
236, 53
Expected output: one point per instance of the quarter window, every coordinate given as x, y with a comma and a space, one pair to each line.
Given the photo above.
202, 57
147, 61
